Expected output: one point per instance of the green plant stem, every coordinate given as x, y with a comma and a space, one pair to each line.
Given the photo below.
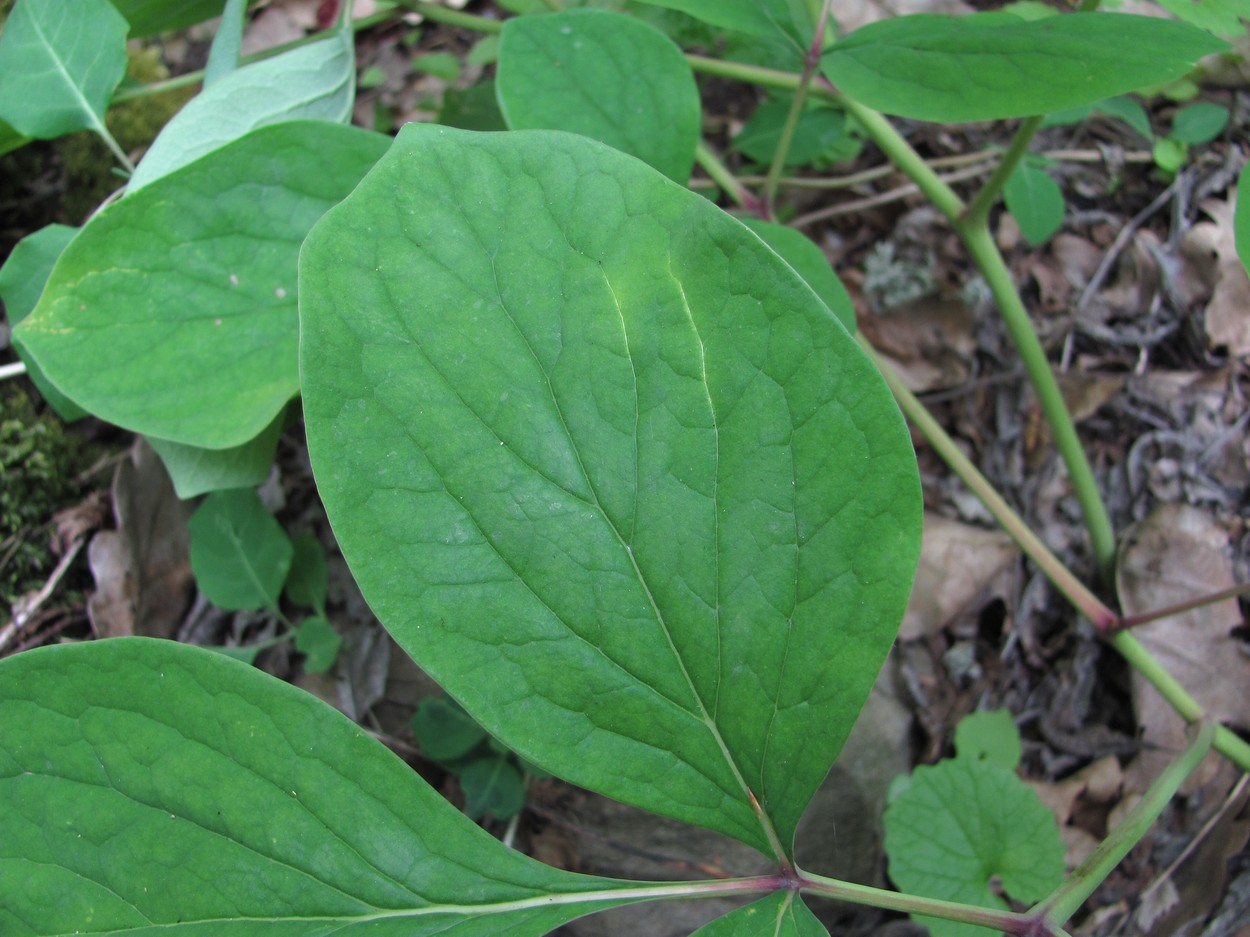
978, 211
130, 93
440, 14
114, 147
719, 173
1069, 897
811, 61
1075, 591
985, 254
751, 74
1008, 921
902, 155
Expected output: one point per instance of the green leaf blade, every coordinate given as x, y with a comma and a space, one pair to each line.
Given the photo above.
768, 19
61, 61
172, 313
612, 521
604, 75
312, 82
781, 914
240, 555
153, 788
1036, 202
989, 66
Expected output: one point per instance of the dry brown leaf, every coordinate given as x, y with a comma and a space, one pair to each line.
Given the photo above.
143, 568
1212, 268
929, 342
1176, 554
960, 565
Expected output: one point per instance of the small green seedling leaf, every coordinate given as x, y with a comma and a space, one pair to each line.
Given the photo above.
317, 638
1222, 17
312, 82
223, 56
172, 313
769, 19
989, 66
810, 263
239, 554
606, 76
991, 737
781, 914
818, 130
309, 580
967, 821
193, 796
492, 786
1128, 110
195, 470
22, 279
61, 61
1241, 219
1036, 202
149, 17
1169, 155
444, 731
639, 503
1199, 123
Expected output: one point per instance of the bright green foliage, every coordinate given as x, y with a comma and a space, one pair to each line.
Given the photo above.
989, 66
1222, 17
989, 736
195, 470
173, 311
488, 772
61, 61
149, 17
607, 468
309, 580
223, 56
240, 555
606, 76
781, 914
1199, 123
22, 279
312, 82
155, 788
819, 131
968, 820
768, 19
317, 639
810, 263
1035, 201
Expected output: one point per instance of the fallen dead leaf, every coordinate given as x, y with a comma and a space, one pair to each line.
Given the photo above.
961, 566
929, 341
1211, 267
1176, 554
142, 569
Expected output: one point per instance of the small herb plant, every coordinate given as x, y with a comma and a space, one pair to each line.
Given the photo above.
618, 475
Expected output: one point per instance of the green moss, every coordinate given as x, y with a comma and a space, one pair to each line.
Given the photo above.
38, 464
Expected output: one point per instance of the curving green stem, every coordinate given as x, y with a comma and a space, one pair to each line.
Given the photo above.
978, 211
1069, 897
985, 253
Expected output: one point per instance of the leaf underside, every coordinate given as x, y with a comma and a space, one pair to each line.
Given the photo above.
607, 468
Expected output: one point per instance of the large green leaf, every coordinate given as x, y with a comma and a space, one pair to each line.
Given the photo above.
769, 19
152, 788
148, 17
604, 75
994, 65
195, 470
22, 279
781, 914
61, 61
173, 311
607, 468
1241, 219
810, 263
312, 82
